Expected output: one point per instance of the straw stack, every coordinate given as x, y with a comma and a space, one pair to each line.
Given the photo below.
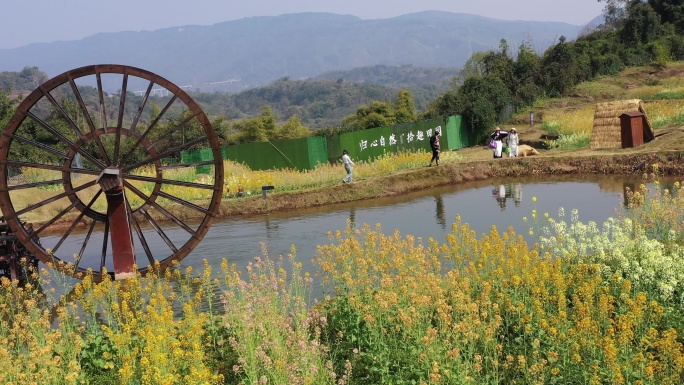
606, 132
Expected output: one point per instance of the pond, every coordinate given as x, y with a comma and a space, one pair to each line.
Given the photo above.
423, 214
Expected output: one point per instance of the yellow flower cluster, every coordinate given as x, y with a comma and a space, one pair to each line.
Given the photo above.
494, 310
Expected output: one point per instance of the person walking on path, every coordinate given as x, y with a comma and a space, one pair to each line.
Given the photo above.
347, 166
513, 142
434, 145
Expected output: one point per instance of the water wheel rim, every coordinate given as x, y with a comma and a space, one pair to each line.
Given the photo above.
43, 96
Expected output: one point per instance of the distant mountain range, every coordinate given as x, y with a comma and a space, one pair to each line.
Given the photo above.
251, 52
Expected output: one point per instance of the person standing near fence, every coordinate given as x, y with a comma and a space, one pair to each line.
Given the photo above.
434, 145
347, 166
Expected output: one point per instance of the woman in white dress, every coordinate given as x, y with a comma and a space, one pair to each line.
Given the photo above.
513, 142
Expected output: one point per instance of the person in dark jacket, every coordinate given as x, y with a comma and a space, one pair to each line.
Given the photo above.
434, 145
497, 137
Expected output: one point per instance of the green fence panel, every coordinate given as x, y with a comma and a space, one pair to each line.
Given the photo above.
368, 144
416, 136
204, 154
307, 153
458, 134
300, 154
334, 148
318, 151
376, 142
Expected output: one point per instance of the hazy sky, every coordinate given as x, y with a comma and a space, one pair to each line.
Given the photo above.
33, 21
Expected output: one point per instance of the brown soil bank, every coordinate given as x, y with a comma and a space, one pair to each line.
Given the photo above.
661, 163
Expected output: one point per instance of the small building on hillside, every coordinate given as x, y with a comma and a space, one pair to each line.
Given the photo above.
609, 127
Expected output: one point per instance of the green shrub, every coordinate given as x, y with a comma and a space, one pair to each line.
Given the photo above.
572, 141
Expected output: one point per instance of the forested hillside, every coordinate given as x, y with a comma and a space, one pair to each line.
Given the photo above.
635, 33
321, 102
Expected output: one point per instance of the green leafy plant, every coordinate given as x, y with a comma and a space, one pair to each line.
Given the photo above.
572, 141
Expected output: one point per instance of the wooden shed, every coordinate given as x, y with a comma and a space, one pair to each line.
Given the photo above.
607, 131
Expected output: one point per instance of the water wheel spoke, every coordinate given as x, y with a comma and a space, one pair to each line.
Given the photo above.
35, 184
165, 153
50, 167
159, 231
177, 128
84, 244
61, 111
162, 210
56, 217
55, 198
42, 146
75, 222
186, 165
119, 121
185, 203
89, 120
103, 256
169, 181
65, 140
148, 130
141, 236
141, 108
100, 95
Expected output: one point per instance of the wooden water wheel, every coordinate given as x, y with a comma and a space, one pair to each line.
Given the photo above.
88, 154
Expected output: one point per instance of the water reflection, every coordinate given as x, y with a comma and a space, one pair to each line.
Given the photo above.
440, 213
517, 194
499, 194
502, 193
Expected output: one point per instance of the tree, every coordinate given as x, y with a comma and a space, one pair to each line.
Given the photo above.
499, 64
526, 73
293, 128
671, 12
7, 106
642, 25
404, 107
482, 99
264, 128
248, 131
26, 80
269, 122
559, 64
614, 13
474, 67
377, 114
445, 105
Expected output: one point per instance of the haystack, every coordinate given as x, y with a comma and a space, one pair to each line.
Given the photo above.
607, 132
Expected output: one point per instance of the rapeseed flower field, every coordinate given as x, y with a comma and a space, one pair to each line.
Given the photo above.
585, 303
